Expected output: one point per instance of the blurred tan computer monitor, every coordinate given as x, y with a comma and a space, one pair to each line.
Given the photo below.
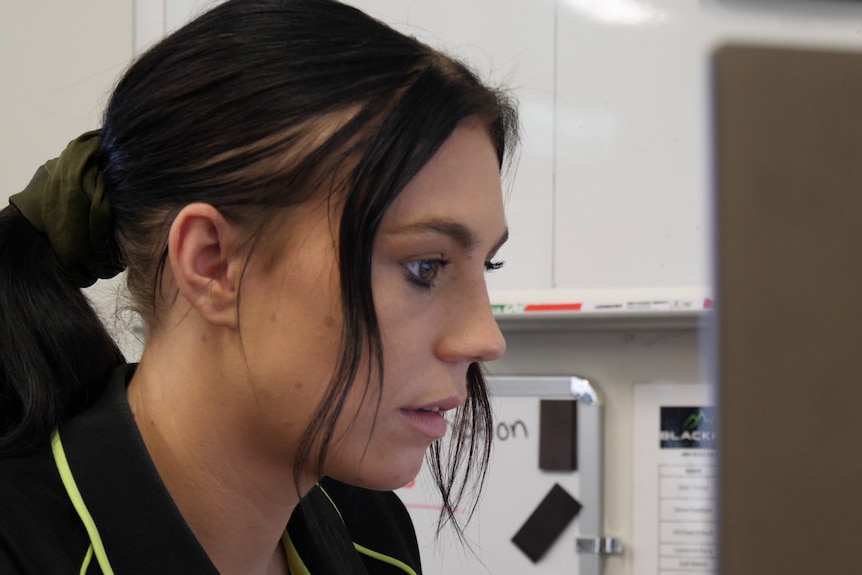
788, 347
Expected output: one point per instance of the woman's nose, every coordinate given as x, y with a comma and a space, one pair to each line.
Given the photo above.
471, 333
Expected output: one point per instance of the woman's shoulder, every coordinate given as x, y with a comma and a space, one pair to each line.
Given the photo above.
39, 529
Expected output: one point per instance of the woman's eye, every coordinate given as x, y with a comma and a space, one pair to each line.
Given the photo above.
424, 272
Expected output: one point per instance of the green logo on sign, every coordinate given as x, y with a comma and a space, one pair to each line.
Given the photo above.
695, 419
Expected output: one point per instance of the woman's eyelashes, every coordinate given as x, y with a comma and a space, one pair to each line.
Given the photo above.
423, 273
493, 266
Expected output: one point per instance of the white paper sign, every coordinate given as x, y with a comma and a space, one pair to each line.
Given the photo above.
674, 468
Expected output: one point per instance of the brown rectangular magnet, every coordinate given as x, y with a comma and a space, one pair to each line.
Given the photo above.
558, 441
546, 523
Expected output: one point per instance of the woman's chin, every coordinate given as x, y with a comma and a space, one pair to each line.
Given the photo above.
393, 474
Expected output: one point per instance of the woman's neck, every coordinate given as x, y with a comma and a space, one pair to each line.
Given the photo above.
236, 500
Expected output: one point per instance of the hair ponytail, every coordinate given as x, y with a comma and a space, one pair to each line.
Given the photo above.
55, 353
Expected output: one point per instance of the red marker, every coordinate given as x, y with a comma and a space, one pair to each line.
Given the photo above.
553, 307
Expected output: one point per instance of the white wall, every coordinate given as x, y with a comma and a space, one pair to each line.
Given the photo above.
60, 61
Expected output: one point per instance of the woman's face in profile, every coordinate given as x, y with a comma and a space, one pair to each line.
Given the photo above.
428, 267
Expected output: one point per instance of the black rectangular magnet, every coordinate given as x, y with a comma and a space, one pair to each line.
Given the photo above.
546, 523
558, 435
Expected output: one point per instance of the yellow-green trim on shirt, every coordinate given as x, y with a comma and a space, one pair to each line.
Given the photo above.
79, 505
334, 506
370, 552
87, 558
384, 558
294, 561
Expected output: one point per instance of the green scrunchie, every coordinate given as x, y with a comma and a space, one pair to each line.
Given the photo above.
66, 201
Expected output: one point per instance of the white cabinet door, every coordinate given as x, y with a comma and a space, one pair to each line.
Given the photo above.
510, 43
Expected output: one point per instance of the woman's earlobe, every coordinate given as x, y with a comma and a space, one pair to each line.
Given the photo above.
202, 250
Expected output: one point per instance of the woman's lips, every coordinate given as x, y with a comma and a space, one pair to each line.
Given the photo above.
427, 421
428, 418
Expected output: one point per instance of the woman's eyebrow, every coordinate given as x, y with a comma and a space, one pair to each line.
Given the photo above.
461, 234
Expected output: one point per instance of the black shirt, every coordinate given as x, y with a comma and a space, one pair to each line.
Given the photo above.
134, 524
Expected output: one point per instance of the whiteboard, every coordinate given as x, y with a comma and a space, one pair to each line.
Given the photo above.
515, 486
633, 121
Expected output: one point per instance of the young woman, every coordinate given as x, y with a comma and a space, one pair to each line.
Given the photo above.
305, 202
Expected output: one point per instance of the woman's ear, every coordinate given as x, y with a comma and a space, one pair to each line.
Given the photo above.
206, 265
